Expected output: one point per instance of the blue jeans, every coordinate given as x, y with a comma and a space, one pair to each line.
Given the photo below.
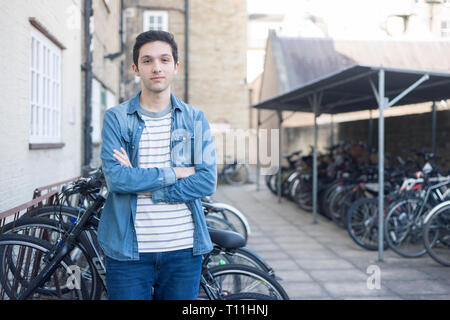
172, 275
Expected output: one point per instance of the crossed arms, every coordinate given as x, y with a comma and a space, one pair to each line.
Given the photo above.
170, 184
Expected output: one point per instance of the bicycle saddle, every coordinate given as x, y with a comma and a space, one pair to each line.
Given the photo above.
226, 239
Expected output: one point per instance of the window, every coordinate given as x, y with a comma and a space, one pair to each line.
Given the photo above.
156, 20
445, 29
45, 90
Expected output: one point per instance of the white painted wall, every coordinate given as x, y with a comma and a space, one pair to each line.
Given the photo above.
21, 169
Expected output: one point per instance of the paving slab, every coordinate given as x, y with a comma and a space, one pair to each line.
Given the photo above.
321, 261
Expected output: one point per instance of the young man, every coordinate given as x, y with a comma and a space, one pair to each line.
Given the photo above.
158, 159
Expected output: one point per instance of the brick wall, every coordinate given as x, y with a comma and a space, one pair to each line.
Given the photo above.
217, 54
404, 132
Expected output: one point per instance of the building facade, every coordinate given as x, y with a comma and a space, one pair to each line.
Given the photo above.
212, 74
407, 34
43, 61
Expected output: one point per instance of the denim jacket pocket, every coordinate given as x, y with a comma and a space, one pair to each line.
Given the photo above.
181, 152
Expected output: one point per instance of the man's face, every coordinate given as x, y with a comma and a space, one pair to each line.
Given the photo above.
156, 66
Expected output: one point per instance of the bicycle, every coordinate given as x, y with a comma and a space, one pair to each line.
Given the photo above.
57, 256
91, 280
436, 233
229, 280
230, 214
235, 173
404, 221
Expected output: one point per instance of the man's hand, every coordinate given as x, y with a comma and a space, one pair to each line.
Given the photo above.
122, 157
180, 172
183, 172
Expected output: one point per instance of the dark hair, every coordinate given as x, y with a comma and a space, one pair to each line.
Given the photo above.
151, 36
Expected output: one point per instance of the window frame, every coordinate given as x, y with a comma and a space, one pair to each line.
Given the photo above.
146, 25
45, 100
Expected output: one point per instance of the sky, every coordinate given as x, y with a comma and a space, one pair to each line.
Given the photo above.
344, 18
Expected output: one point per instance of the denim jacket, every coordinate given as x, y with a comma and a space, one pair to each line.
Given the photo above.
191, 144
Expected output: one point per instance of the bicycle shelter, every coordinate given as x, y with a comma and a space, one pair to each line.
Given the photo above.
356, 88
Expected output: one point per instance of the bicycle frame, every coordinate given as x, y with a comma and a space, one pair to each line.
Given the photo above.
61, 251
428, 193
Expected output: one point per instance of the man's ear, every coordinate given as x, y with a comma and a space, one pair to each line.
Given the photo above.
177, 66
135, 69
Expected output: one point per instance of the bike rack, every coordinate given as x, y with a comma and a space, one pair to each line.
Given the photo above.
355, 80
39, 200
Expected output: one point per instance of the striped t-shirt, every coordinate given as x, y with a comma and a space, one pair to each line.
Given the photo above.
160, 226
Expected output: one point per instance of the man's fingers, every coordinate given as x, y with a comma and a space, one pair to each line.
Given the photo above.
123, 159
120, 160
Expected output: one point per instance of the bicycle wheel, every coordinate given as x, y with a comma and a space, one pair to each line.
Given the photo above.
303, 194
336, 202
235, 278
248, 296
403, 227
268, 180
437, 235
219, 223
362, 223
233, 216
56, 212
22, 257
82, 256
324, 200
236, 175
242, 256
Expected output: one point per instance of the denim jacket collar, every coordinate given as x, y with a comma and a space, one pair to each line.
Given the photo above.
134, 104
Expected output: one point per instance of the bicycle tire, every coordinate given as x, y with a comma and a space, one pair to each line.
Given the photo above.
231, 279
362, 223
53, 212
7, 241
303, 194
230, 175
397, 227
335, 206
243, 256
232, 215
437, 247
83, 255
248, 296
219, 223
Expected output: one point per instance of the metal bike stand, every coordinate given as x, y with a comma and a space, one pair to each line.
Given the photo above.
383, 104
347, 90
280, 122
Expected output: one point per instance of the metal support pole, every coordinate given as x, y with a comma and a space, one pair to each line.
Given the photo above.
370, 144
280, 120
314, 194
433, 128
332, 131
381, 106
258, 169
88, 76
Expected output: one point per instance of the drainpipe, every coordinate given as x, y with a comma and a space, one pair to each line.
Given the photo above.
87, 128
186, 54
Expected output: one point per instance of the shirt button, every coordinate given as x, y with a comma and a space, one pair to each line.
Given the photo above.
132, 147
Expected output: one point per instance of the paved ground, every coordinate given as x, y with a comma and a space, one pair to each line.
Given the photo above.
320, 261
